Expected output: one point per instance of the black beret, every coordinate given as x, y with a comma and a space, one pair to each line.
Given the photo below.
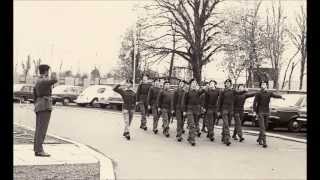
228, 80
215, 82
43, 68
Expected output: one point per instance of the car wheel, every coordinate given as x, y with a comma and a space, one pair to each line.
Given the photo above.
65, 101
94, 103
294, 126
103, 105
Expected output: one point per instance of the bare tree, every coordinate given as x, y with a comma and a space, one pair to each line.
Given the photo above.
274, 40
196, 26
234, 64
299, 39
290, 62
26, 66
36, 64
243, 33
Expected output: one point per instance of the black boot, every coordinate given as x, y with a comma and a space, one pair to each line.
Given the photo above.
212, 139
128, 136
241, 139
180, 139
199, 134
183, 131
155, 131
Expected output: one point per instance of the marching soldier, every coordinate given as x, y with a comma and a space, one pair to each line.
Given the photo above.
43, 107
165, 105
142, 94
152, 103
211, 97
226, 103
261, 107
178, 94
238, 110
191, 102
204, 119
128, 106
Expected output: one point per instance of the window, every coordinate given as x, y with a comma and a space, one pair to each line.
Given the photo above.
101, 90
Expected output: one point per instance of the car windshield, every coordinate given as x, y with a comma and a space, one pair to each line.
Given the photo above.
290, 100
17, 87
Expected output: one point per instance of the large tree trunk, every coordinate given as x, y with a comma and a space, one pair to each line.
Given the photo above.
302, 64
290, 76
173, 54
276, 79
197, 71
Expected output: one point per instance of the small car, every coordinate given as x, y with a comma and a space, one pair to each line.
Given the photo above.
93, 94
65, 94
283, 113
23, 92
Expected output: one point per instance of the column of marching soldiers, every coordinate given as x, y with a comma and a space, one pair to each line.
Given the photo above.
188, 102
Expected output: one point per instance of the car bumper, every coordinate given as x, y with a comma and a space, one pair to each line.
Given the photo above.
103, 101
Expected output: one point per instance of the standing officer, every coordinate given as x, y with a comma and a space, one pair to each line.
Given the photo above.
191, 100
142, 94
177, 97
43, 107
261, 107
128, 106
238, 110
226, 103
211, 97
165, 105
152, 103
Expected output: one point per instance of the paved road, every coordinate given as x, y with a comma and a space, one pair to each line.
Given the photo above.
248, 126
150, 156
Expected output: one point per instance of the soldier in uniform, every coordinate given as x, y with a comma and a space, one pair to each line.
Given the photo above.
43, 107
204, 119
226, 103
261, 107
142, 94
178, 94
128, 106
191, 102
238, 110
165, 105
211, 97
152, 103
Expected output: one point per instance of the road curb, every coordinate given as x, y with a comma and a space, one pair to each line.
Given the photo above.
256, 133
104, 159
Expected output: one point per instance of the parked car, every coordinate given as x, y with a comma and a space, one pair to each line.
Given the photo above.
283, 113
23, 92
93, 94
65, 94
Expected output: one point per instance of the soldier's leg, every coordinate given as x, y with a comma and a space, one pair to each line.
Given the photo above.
264, 137
226, 131
41, 128
155, 118
179, 123
196, 116
143, 116
191, 124
165, 122
209, 117
237, 125
214, 118
262, 128
126, 121
37, 147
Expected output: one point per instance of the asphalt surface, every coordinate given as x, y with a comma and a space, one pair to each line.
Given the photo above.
149, 156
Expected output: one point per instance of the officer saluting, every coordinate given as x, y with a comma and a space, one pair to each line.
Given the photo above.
43, 107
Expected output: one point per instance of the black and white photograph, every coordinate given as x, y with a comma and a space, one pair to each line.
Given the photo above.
159, 89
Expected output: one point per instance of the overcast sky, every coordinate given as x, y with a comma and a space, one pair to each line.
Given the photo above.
84, 34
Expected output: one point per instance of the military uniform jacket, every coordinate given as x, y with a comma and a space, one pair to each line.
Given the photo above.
192, 101
142, 92
240, 100
177, 98
211, 97
262, 100
165, 100
42, 94
153, 95
226, 99
128, 96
